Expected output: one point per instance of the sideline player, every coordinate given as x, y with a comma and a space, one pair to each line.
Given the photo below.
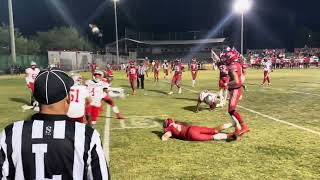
209, 98
31, 74
194, 71
79, 99
267, 67
176, 79
165, 67
235, 89
195, 133
132, 74
99, 92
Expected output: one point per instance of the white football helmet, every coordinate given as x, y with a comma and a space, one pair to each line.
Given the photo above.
77, 78
209, 99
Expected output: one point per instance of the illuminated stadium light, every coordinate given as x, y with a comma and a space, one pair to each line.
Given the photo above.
115, 0
241, 6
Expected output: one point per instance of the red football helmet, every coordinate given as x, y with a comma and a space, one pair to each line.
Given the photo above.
168, 122
231, 55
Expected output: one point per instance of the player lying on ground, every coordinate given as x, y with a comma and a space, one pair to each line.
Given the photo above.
195, 133
209, 98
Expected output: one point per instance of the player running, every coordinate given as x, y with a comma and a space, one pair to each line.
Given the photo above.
195, 133
31, 74
209, 98
194, 71
267, 67
156, 70
176, 79
99, 92
79, 99
235, 89
132, 73
165, 67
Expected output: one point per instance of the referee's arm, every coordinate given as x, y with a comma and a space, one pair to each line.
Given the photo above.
98, 168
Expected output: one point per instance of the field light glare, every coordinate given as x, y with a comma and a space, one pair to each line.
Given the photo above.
241, 6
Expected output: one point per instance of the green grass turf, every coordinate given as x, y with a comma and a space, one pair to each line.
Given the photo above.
271, 150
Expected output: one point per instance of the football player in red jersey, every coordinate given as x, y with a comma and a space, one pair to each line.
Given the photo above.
194, 133
132, 73
235, 89
176, 79
31, 74
93, 67
223, 83
156, 70
194, 71
108, 74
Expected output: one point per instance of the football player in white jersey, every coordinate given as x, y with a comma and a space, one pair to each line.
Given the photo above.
267, 65
98, 90
209, 98
79, 99
31, 74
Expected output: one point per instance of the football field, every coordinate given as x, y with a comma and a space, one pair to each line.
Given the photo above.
283, 143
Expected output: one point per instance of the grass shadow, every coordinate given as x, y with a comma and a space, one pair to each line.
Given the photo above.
158, 91
158, 133
188, 99
190, 108
20, 100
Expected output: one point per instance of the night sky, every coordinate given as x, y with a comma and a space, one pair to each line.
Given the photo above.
270, 23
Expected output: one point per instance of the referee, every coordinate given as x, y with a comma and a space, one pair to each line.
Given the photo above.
50, 145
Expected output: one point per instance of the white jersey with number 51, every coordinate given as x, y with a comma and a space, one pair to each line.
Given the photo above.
78, 95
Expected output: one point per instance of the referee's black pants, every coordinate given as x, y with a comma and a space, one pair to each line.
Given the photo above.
140, 80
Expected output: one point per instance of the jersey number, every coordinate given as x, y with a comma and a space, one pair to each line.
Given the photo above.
39, 150
74, 95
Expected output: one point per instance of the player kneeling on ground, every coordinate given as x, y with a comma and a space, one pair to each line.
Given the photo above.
209, 98
195, 133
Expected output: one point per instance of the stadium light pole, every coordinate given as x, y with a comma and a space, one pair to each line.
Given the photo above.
11, 28
242, 6
116, 24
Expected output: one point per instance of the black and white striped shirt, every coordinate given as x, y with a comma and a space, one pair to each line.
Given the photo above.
51, 147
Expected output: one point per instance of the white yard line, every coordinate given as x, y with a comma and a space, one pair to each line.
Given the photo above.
293, 91
106, 137
272, 118
281, 121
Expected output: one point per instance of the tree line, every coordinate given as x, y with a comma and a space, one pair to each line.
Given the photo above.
58, 38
